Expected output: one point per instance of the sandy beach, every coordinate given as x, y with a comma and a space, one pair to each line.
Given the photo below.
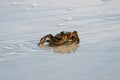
24, 22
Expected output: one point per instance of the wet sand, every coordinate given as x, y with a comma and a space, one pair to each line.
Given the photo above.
23, 23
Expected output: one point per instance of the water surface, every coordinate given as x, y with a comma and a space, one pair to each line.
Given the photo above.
23, 23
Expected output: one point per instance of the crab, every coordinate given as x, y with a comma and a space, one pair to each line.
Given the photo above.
60, 38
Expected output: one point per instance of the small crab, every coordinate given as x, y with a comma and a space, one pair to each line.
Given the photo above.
60, 38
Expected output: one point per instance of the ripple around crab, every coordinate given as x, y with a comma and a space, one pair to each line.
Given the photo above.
60, 38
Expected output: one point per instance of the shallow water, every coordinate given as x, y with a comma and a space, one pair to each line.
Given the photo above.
23, 23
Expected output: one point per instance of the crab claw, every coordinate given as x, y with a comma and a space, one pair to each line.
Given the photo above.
41, 42
76, 39
44, 39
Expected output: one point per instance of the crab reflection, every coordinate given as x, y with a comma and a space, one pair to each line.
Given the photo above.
62, 49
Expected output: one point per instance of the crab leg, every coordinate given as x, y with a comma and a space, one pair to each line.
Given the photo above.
75, 37
43, 39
